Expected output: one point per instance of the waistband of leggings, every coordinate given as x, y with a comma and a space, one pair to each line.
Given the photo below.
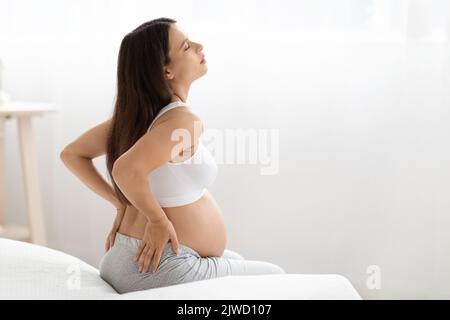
134, 243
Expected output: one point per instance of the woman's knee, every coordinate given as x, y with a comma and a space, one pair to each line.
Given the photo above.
276, 269
261, 267
229, 254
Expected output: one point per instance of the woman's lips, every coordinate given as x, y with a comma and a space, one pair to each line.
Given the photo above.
203, 60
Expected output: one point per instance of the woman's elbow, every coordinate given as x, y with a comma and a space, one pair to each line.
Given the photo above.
117, 170
121, 170
65, 154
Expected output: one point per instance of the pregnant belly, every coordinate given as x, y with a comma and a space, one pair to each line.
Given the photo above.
199, 225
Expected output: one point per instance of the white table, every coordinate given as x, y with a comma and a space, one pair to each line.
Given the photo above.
23, 111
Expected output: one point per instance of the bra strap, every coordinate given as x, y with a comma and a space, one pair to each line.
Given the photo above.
170, 106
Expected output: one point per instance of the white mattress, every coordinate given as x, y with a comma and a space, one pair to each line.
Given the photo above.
29, 271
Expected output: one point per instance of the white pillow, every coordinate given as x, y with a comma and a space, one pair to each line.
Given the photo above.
29, 271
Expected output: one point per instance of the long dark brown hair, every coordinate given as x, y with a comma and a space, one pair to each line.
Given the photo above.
141, 89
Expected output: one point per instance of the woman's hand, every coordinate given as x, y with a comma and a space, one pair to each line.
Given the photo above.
156, 236
120, 212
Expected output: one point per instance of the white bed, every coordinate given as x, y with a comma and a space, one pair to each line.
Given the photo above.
29, 271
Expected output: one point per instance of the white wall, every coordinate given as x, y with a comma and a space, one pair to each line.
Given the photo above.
357, 89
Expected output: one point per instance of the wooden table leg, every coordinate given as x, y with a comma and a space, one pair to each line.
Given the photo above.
31, 181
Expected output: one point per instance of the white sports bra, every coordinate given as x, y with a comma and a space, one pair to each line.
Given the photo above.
179, 183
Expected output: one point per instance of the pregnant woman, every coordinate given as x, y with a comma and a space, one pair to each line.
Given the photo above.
168, 228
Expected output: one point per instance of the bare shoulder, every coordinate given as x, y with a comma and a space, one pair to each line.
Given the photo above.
159, 144
177, 118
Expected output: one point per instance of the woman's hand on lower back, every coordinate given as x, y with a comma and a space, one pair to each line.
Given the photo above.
156, 236
110, 239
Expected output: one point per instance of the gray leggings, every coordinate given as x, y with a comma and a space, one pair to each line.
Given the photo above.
121, 272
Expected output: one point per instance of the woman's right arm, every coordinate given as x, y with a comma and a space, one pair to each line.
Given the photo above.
131, 170
135, 186
156, 147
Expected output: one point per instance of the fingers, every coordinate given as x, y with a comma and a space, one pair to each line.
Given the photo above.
139, 251
175, 245
148, 257
108, 244
143, 256
110, 239
156, 260
113, 239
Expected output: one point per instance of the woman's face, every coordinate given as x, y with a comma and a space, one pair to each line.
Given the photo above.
185, 56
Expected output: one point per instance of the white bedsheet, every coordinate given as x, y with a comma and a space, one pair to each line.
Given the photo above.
29, 271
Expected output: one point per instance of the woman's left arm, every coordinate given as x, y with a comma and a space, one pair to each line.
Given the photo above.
78, 156
85, 170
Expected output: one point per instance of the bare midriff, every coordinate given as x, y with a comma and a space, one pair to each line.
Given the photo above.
198, 225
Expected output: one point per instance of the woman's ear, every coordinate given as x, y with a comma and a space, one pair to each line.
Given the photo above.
168, 74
